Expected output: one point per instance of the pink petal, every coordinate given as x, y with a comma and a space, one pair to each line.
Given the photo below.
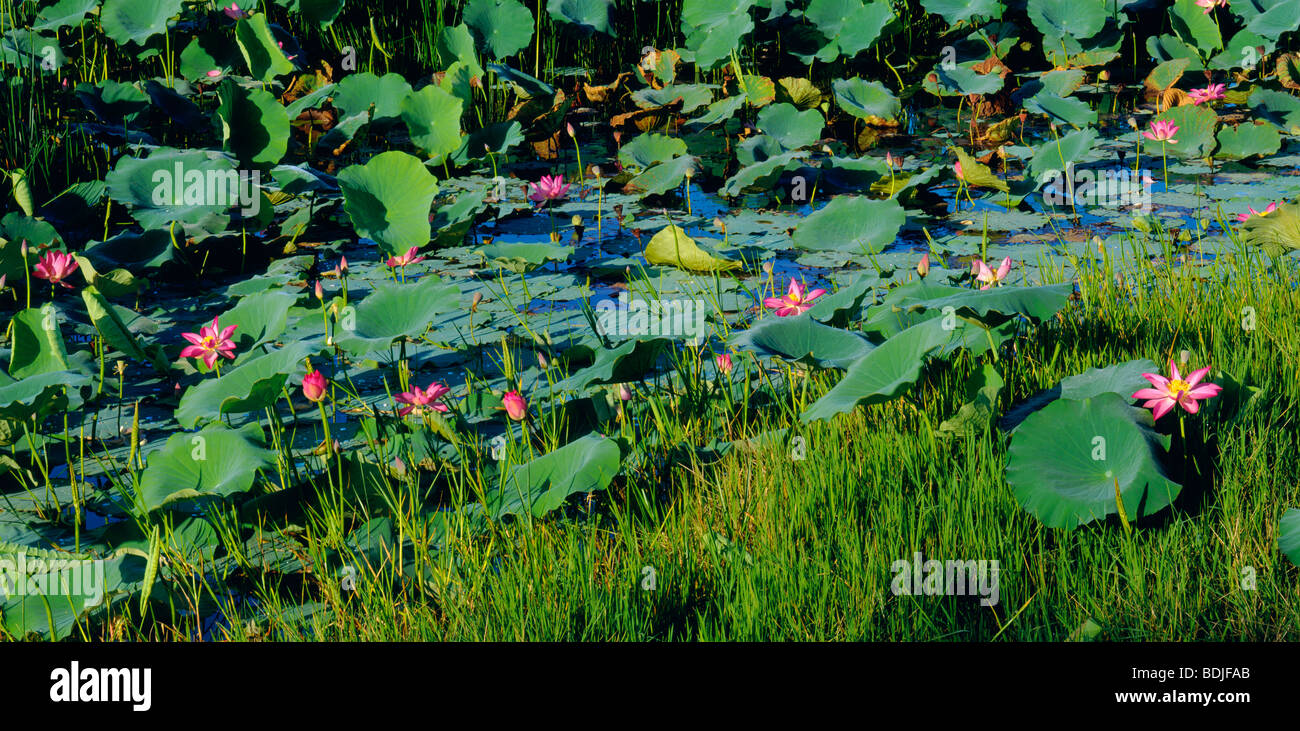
1205, 391
1195, 377
1150, 393
1163, 408
1157, 380
1189, 404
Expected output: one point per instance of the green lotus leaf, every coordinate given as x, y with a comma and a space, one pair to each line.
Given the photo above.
1195, 132
585, 465
432, 116
321, 12
865, 99
136, 21
852, 25
976, 414
188, 187
210, 51
955, 11
262, 53
693, 96
1288, 535
1190, 23
260, 318
851, 224
522, 257
456, 45
254, 125
978, 175
358, 93
791, 127
502, 28
37, 343
250, 386
1057, 155
64, 14
388, 200
393, 311
216, 461
109, 323
805, 340
1247, 140
1066, 18
647, 149
587, 16
1066, 460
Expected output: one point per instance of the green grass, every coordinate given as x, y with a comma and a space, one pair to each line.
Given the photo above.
761, 546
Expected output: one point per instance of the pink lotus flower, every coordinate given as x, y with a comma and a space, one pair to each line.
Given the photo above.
210, 342
1244, 217
416, 398
548, 188
1213, 92
1162, 130
723, 362
795, 301
957, 169
988, 276
406, 259
923, 266
1174, 390
234, 12
1210, 5
516, 406
624, 393
55, 266
214, 74
313, 386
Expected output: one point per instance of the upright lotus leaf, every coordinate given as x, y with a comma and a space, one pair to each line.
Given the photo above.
585, 465
1190, 23
1170, 48
113, 102
492, 140
647, 149
1055, 157
1288, 535
803, 339
456, 45
261, 51
1070, 110
136, 21
393, 311
884, 373
251, 386
501, 27
1065, 462
216, 461
137, 252
671, 246
432, 116
1241, 48
955, 11
388, 200
1276, 233
586, 16
851, 224
526, 86
113, 282
357, 94
791, 127
63, 606
1122, 378
800, 92
320, 12
209, 51
844, 304
1270, 19
259, 318
1247, 140
112, 328
1278, 107
188, 187
37, 343
718, 112
1195, 132
64, 14
715, 28
976, 414
978, 175
866, 99
1165, 75
851, 25
254, 125
1058, 18
662, 177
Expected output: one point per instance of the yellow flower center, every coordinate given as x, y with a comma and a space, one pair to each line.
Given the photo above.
1178, 387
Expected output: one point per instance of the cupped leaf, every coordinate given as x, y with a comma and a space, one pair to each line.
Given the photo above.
502, 28
216, 461
251, 386
1066, 461
542, 485
393, 311
803, 339
673, 247
865, 99
791, 127
388, 200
